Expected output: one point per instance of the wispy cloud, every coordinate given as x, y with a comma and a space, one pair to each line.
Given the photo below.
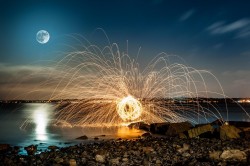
221, 27
244, 33
218, 45
187, 15
19, 80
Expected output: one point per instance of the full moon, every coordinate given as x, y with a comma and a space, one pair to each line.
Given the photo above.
42, 36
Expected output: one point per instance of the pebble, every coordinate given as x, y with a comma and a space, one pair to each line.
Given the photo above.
100, 158
72, 162
146, 151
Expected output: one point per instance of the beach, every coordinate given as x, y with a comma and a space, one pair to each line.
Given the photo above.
146, 150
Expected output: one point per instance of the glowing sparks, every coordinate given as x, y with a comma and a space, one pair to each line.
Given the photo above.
110, 89
129, 108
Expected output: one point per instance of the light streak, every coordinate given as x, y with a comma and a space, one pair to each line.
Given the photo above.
111, 89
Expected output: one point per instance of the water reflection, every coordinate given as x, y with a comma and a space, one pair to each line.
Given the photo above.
126, 132
41, 117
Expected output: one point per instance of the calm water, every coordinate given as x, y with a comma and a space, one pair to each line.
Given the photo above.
26, 124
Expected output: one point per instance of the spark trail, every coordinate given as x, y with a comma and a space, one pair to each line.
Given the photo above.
112, 90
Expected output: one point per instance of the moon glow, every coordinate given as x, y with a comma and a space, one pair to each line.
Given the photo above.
42, 36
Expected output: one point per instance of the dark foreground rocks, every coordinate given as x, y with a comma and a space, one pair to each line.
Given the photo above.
217, 129
145, 151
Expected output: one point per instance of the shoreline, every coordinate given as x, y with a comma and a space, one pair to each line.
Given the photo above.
149, 150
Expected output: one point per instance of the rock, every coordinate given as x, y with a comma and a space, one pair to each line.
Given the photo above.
31, 150
91, 163
53, 148
215, 155
182, 136
146, 135
247, 135
122, 147
146, 162
72, 162
101, 152
217, 122
115, 161
184, 148
4, 148
125, 159
58, 160
82, 137
176, 128
195, 132
96, 138
233, 154
100, 158
158, 161
147, 150
84, 160
185, 154
229, 132
159, 128
15, 150
140, 125
240, 124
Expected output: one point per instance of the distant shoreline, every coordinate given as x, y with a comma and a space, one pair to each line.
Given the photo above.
167, 100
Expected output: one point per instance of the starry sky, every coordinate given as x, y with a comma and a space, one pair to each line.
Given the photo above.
211, 35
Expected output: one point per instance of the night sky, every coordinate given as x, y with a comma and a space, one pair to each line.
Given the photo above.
210, 35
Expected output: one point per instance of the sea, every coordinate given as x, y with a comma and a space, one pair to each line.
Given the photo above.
25, 124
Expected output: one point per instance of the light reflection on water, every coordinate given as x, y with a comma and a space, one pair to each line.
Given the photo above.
28, 124
41, 116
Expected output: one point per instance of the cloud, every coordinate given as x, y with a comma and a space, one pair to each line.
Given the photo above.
244, 33
222, 28
218, 45
187, 15
20, 80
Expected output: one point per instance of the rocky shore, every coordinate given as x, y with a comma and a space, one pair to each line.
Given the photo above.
201, 145
142, 151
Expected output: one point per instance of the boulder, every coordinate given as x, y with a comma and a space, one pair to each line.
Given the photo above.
4, 148
229, 132
234, 154
146, 135
52, 148
140, 125
182, 136
197, 131
31, 150
217, 122
239, 124
15, 150
215, 155
159, 128
177, 128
